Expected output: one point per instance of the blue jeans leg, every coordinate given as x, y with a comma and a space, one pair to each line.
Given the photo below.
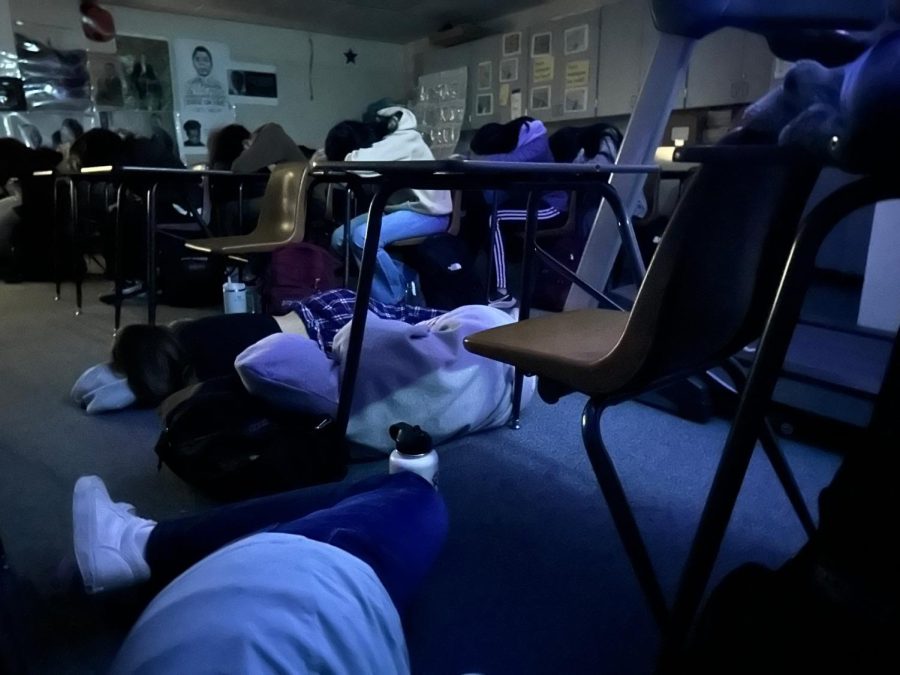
389, 283
397, 528
395, 523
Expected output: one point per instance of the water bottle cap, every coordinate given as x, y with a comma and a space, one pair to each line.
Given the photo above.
410, 440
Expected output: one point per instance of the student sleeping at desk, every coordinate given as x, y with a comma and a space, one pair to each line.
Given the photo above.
413, 365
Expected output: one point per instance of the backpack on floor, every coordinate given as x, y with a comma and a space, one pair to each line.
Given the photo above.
295, 272
447, 273
187, 278
232, 445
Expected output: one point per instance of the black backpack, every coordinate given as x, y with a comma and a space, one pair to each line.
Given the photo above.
447, 272
232, 445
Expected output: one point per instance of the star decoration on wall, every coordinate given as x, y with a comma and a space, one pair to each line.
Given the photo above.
350, 55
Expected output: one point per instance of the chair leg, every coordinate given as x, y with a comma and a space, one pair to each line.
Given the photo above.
525, 308
622, 515
786, 476
776, 457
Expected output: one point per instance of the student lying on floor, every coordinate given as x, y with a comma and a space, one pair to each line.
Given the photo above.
302, 581
413, 365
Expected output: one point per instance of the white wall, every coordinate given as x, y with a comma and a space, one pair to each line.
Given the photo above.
339, 90
879, 306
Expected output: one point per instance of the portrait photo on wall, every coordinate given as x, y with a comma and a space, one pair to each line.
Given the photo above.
251, 83
540, 98
147, 72
202, 70
108, 83
512, 44
484, 105
509, 70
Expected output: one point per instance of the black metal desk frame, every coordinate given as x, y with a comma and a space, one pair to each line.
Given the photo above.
390, 177
147, 179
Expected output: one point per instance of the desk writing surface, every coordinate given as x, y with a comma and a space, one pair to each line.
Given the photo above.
514, 170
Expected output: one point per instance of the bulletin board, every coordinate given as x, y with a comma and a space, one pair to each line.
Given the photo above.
548, 71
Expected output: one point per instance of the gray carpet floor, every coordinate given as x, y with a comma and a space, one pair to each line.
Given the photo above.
533, 578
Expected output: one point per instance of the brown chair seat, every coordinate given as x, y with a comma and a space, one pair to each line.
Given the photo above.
282, 218
576, 349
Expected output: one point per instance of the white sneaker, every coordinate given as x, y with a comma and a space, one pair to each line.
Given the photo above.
109, 538
503, 301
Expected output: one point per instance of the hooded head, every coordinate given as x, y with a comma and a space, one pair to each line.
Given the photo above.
395, 118
347, 136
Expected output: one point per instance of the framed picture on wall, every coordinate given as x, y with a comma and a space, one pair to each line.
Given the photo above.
509, 70
575, 40
485, 75
512, 44
541, 44
575, 100
484, 105
540, 98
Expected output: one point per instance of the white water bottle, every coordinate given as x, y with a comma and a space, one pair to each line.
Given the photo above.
413, 452
234, 297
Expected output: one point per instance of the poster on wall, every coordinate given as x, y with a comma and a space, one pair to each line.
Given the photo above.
201, 95
201, 69
540, 98
147, 73
53, 79
46, 129
484, 105
512, 44
509, 70
575, 100
441, 109
252, 84
575, 40
158, 125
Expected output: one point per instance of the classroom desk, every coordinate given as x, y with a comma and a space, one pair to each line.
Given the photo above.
771, 351
147, 180
455, 174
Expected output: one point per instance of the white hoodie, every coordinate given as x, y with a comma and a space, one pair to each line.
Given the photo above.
406, 144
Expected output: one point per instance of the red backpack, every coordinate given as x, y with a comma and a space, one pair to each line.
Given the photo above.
295, 272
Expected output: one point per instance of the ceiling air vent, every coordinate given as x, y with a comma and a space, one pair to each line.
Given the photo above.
455, 35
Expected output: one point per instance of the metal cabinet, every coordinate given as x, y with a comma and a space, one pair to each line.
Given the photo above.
729, 67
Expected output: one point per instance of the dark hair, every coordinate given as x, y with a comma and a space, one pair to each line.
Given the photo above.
192, 124
74, 126
347, 136
201, 48
97, 147
17, 159
564, 145
153, 361
226, 144
591, 138
494, 138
